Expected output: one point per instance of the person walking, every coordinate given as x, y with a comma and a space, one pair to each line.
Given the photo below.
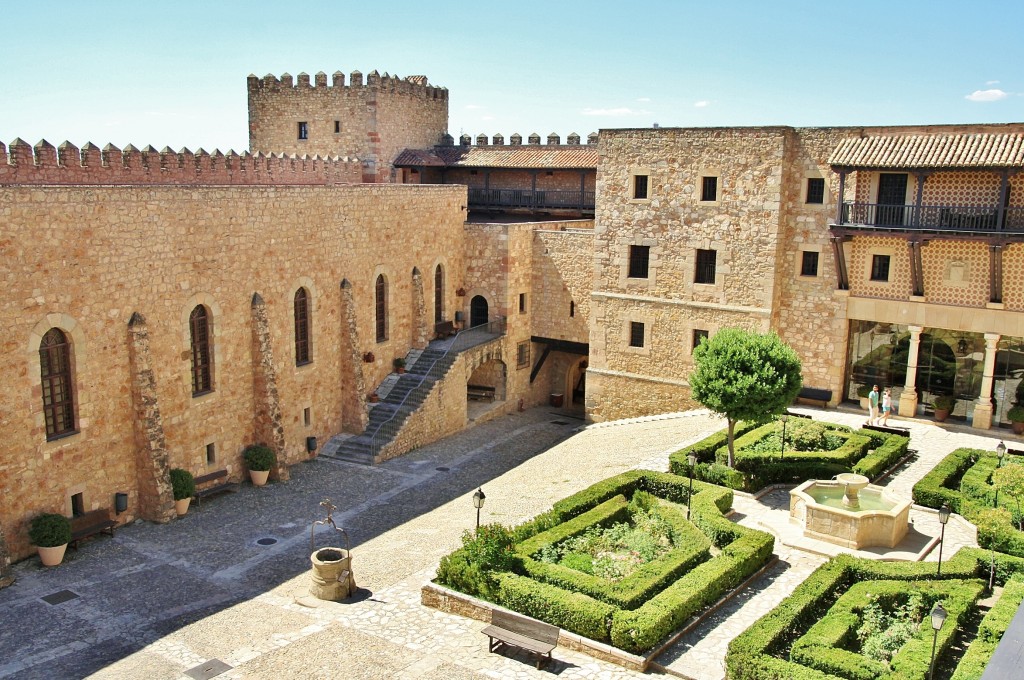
886, 405
873, 406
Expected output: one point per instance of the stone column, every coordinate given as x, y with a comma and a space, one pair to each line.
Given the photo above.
983, 406
155, 500
354, 416
908, 398
6, 578
420, 319
268, 423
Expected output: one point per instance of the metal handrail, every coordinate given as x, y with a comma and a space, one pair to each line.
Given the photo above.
960, 218
529, 198
388, 429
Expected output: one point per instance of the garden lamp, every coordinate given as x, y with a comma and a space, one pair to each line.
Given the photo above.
943, 518
478, 503
785, 419
938, 616
1000, 452
692, 460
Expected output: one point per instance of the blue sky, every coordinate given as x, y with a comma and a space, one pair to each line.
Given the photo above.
173, 73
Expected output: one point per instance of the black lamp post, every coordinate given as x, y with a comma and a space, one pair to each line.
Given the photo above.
692, 460
938, 617
943, 518
478, 502
1000, 452
785, 419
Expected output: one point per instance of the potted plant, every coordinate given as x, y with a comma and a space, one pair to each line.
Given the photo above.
51, 534
259, 459
183, 486
1016, 417
369, 358
373, 398
862, 393
399, 363
943, 405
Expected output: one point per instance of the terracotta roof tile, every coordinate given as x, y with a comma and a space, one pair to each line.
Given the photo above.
961, 151
545, 157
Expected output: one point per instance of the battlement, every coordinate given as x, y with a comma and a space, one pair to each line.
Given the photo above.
67, 164
414, 86
572, 139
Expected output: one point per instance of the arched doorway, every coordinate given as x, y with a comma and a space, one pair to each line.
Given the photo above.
477, 311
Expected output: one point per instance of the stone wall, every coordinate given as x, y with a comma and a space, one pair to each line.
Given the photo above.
502, 178
563, 274
87, 259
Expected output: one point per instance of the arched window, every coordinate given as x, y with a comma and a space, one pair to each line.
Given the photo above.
202, 358
301, 327
55, 373
382, 308
438, 294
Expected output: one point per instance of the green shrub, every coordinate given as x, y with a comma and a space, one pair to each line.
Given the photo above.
889, 451
572, 611
614, 509
990, 632
944, 402
472, 568
183, 484
1016, 414
259, 458
49, 530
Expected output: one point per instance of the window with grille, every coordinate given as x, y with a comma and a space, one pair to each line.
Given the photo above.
382, 308
705, 269
640, 183
301, 327
438, 294
709, 188
698, 337
815, 190
202, 366
809, 263
523, 355
303, 130
879, 267
639, 261
55, 374
636, 334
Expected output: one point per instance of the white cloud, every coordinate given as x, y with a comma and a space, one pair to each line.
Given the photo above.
644, 99
702, 103
473, 107
986, 96
991, 82
616, 112
486, 117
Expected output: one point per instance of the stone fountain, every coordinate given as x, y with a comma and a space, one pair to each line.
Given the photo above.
849, 511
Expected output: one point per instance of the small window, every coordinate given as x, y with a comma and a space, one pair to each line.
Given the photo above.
815, 190
523, 354
709, 189
879, 267
698, 337
706, 264
303, 131
77, 504
211, 453
56, 381
809, 263
307, 416
522, 303
202, 352
639, 259
381, 294
636, 334
301, 308
572, 308
640, 187
337, 127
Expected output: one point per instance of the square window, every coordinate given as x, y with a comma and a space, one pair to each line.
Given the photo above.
640, 187
639, 259
698, 336
523, 355
337, 126
809, 263
709, 189
77, 504
704, 272
636, 334
879, 267
211, 454
303, 131
815, 190
522, 303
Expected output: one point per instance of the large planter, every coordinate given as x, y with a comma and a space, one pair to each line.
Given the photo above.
259, 477
181, 507
941, 414
1018, 427
51, 557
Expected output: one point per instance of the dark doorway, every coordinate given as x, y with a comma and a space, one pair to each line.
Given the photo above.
892, 197
477, 311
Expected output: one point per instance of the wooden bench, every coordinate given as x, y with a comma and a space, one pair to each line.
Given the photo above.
901, 431
815, 394
214, 489
444, 329
515, 630
480, 392
91, 523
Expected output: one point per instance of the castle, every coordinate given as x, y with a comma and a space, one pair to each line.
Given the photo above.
166, 309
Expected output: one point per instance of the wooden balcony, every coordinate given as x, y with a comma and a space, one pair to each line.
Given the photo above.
525, 199
991, 220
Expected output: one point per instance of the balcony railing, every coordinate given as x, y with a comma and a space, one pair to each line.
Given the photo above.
985, 219
536, 200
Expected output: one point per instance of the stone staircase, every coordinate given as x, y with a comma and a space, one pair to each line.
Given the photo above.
400, 396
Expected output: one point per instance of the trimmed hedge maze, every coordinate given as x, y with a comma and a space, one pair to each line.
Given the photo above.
964, 480
865, 452
709, 557
811, 635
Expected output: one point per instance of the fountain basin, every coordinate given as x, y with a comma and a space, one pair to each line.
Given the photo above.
823, 508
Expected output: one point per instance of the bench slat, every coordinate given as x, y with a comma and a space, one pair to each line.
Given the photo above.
517, 640
90, 524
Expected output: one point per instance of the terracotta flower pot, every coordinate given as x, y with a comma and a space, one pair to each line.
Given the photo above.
51, 557
259, 477
181, 507
1018, 427
941, 415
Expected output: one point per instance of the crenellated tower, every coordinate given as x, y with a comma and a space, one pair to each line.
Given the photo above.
372, 120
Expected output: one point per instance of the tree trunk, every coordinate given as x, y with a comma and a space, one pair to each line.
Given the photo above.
732, 426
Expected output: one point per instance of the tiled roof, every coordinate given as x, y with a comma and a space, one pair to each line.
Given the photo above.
546, 157
931, 151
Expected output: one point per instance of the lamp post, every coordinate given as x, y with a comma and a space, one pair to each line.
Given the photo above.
692, 460
785, 419
943, 518
1000, 452
478, 502
938, 617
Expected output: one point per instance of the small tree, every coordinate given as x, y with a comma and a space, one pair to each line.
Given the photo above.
1009, 480
745, 376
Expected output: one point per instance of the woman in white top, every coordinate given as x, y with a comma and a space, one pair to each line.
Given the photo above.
886, 405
